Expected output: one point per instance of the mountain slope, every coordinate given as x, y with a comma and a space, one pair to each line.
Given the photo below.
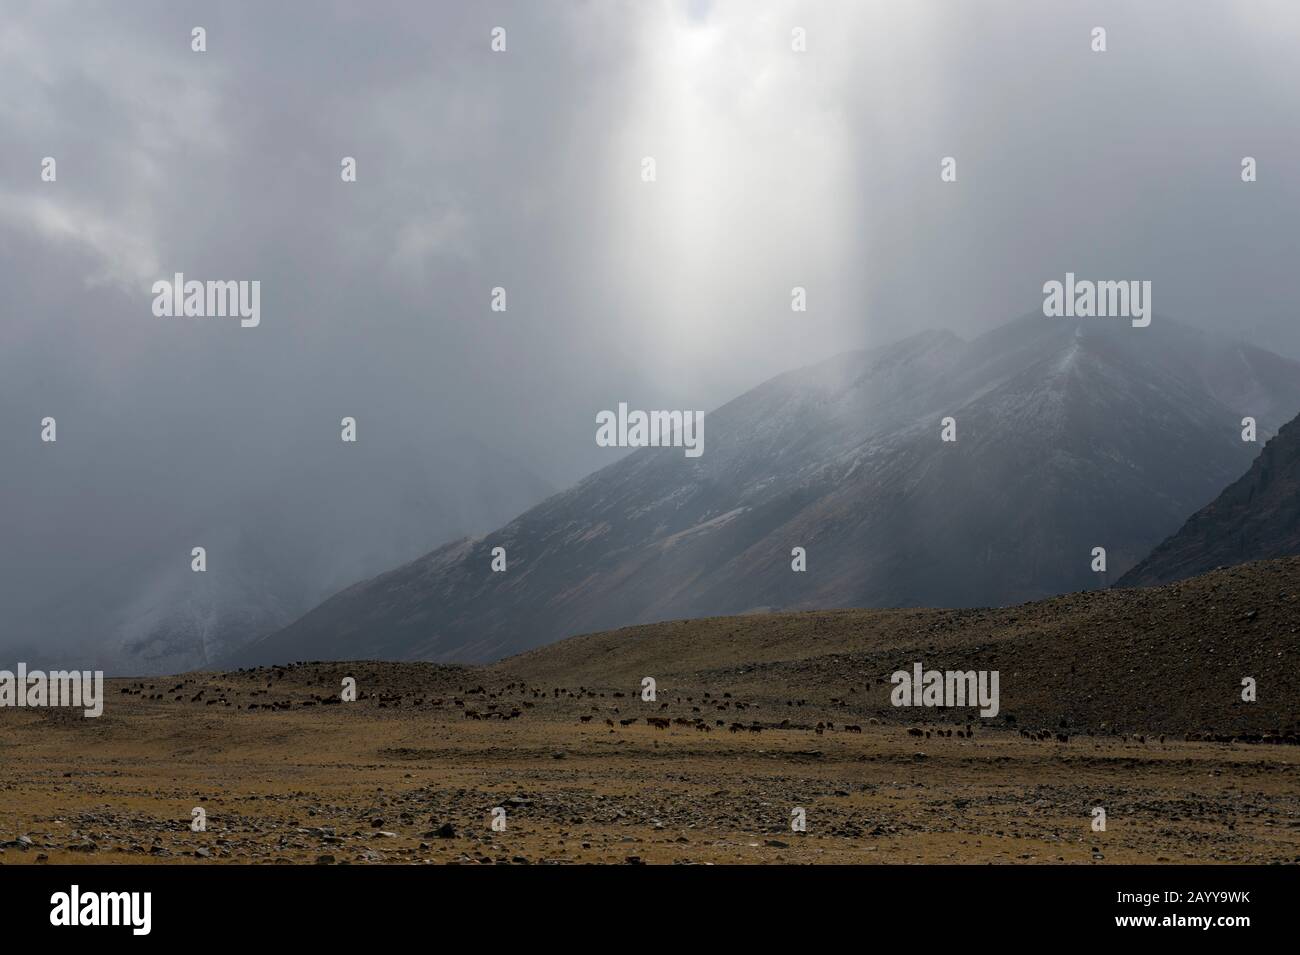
1256, 518
1070, 435
1166, 659
273, 552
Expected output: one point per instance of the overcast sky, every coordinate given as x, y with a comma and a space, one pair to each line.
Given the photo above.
522, 169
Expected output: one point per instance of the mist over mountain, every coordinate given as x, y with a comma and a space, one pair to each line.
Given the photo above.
1071, 434
323, 514
1256, 518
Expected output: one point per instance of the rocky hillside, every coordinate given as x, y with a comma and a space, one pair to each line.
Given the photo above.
1165, 659
1257, 517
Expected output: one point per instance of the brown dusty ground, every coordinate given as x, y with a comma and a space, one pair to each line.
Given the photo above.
404, 776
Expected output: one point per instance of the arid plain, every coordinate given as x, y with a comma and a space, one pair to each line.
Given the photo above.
1131, 699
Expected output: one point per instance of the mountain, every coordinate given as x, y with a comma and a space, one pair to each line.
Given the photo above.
1071, 434
273, 552
1256, 518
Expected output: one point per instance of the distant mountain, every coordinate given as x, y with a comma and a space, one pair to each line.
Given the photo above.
272, 554
1256, 518
1071, 434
